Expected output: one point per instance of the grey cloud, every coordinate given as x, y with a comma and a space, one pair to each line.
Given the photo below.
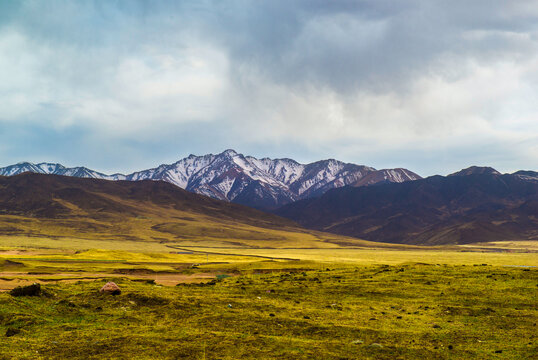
368, 44
346, 45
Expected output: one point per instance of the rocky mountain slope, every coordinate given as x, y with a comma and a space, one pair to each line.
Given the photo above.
260, 183
473, 205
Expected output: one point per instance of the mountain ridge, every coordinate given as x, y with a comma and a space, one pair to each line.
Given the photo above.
260, 183
438, 210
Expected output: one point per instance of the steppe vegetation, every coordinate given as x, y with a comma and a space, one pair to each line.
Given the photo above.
263, 303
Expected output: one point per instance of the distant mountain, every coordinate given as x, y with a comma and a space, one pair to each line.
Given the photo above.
473, 205
260, 183
386, 176
56, 169
476, 170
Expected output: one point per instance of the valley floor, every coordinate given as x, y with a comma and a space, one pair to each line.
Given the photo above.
267, 304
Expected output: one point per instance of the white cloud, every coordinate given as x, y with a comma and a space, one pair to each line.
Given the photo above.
132, 94
485, 99
146, 96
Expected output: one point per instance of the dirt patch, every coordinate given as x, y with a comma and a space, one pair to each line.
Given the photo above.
174, 279
20, 252
13, 279
9, 284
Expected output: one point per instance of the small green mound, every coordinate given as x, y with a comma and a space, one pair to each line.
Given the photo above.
30, 290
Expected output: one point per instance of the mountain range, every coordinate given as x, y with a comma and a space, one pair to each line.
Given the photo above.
392, 205
260, 183
476, 204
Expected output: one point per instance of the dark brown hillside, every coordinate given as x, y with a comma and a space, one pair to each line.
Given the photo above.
153, 214
53, 196
459, 209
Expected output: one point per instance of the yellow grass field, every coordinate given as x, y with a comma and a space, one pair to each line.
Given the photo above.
330, 300
43, 259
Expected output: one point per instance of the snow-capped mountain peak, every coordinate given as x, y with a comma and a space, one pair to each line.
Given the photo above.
231, 176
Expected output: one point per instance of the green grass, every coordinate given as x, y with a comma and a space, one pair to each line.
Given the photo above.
337, 303
451, 255
412, 311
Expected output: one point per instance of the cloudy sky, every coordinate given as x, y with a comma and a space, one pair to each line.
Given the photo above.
433, 86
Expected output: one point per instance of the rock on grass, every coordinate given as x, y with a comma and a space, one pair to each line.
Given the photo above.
110, 288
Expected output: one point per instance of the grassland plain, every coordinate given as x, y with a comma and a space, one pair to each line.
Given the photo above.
377, 311
276, 303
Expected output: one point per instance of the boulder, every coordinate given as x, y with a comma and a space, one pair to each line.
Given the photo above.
110, 288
